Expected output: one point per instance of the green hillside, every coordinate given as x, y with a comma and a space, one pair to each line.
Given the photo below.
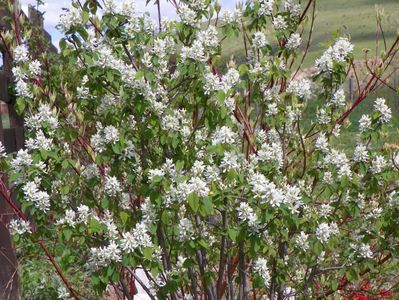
354, 17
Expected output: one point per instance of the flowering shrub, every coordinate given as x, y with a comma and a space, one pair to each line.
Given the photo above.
144, 153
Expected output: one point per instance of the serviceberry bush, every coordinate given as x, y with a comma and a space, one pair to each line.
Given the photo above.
150, 163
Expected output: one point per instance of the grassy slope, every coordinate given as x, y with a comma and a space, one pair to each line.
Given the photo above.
353, 17
356, 18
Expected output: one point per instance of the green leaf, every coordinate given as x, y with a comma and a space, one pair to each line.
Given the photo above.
124, 216
352, 275
85, 16
20, 105
233, 234
193, 201
208, 206
317, 248
67, 234
334, 284
147, 253
94, 226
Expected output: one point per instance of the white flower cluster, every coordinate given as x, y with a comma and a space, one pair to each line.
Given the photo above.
136, 239
112, 186
378, 164
364, 123
69, 19
177, 121
224, 135
103, 256
35, 68
45, 118
104, 136
259, 40
301, 241
279, 23
40, 199
363, 250
294, 41
63, 293
260, 267
302, 88
246, 214
322, 143
72, 218
335, 53
338, 99
205, 44
19, 226
360, 153
3, 153
186, 230
231, 17
324, 231
21, 54
22, 161
381, 107
293, 8
270, 153
268, 192
39, 142
187, 15
231, 161
340, 161
228, 81
266, 7
90, 171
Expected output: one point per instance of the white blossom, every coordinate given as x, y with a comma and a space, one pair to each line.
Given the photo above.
294, 41
112, 186
378, 164
22, 160
324, 231
136, 239
223, 135
259, 40
266, 7
21, 54
63, 293
302, 88
260, 267
39, 198
35, 68
69, 19
246, 214
322, 143
230, 79
338, 52
360, 154
103, 256
279, 23
381, 107
338, 99
230, 161
364, 123
230, 17
19, 226
187, 15
212, 83
301, 241
186, 230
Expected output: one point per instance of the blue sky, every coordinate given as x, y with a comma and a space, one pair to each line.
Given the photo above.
53, 8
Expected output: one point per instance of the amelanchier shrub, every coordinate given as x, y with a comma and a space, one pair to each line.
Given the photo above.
145, 151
